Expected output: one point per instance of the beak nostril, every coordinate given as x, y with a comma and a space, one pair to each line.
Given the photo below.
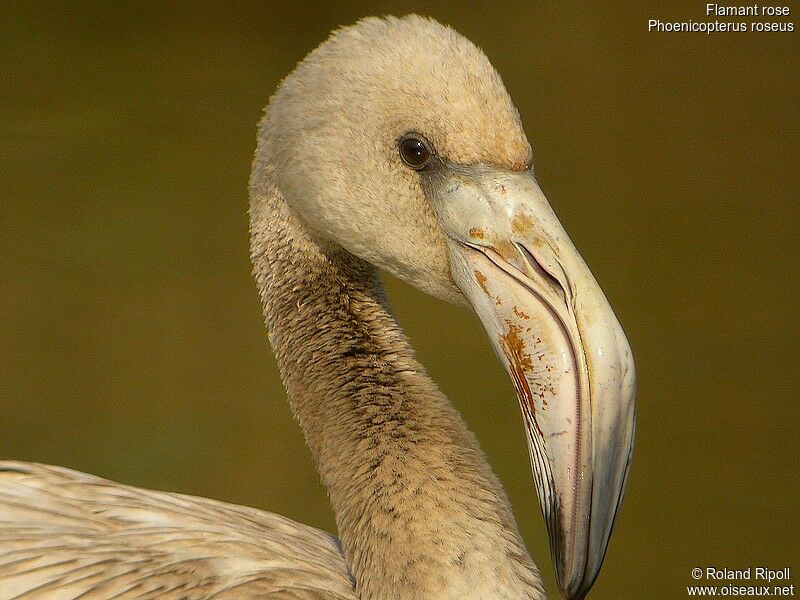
547, 273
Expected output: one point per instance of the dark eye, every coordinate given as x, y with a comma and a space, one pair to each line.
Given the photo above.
414, 152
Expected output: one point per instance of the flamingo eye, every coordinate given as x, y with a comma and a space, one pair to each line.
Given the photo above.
414, 152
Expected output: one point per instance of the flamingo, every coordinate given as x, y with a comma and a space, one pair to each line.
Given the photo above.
392, 146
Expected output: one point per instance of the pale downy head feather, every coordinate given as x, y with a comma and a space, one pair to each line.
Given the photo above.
329, 137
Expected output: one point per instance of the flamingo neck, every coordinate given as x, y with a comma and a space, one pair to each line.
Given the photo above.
419, 511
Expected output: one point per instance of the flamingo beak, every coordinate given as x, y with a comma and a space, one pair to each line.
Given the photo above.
555, 333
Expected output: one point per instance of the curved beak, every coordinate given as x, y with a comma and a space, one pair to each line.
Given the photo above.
554, 331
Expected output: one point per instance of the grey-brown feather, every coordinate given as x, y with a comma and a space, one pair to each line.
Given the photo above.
68, 535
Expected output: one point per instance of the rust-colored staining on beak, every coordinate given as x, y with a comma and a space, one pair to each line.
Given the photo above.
481, 279
519, 362
506, 249
521, 224
521, 313
477, 233
514, 347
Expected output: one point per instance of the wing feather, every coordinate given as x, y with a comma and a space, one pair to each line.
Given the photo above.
66, 535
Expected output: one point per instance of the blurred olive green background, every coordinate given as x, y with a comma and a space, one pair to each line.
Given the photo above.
131, 335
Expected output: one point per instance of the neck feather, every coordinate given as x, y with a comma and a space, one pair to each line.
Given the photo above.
419, 510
